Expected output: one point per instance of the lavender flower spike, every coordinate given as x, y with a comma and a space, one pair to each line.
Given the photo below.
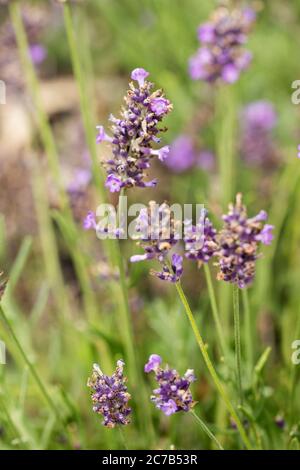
239, 242
173, 393
134, 135
200, 240
109, 395
221, 55
157, 233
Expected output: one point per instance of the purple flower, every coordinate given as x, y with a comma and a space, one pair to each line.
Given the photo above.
102, 136
162, 153
298, 151
260, 114
257, 146
200, 240
139, 75
222, 55
90, 221
173, 393
134, 134
38, 53
266, 236
153, 363
158, 232
113, 183
182, 154
110, 396
206, 33
159, 106
238, 244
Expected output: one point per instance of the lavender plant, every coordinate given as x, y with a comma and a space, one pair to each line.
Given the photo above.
134, 134
110, 396
222, 55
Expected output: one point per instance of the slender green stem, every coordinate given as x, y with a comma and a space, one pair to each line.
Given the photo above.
121, 432
248, 330
207, 430
84, 103
31, 367
210, 366
237, 341
294, 375
214, 307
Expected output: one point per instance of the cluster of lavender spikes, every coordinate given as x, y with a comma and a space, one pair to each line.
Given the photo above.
173, 393
158, 232
109, 395
238, 244
235, 246
222, 55
134, 135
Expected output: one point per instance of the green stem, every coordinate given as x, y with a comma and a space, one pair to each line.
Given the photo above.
84, 103
31, 367
207, 430
248, 330
214, 307
237, 341
210, 366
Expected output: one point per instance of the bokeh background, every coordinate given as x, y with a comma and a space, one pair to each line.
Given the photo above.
62, 299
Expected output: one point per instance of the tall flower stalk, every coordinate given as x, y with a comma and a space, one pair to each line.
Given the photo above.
210, 367
237, 341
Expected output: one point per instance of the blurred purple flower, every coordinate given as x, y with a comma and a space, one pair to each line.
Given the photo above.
221, 55
257, 146
90, 221
38, 53
182, 155
153, 363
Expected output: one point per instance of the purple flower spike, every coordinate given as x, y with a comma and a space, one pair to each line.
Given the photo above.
135, 134
173, 392
222, 55
90, 221
109, 396
200, 240
238, 244
139, 75
158, 232
153, 363
257, 143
